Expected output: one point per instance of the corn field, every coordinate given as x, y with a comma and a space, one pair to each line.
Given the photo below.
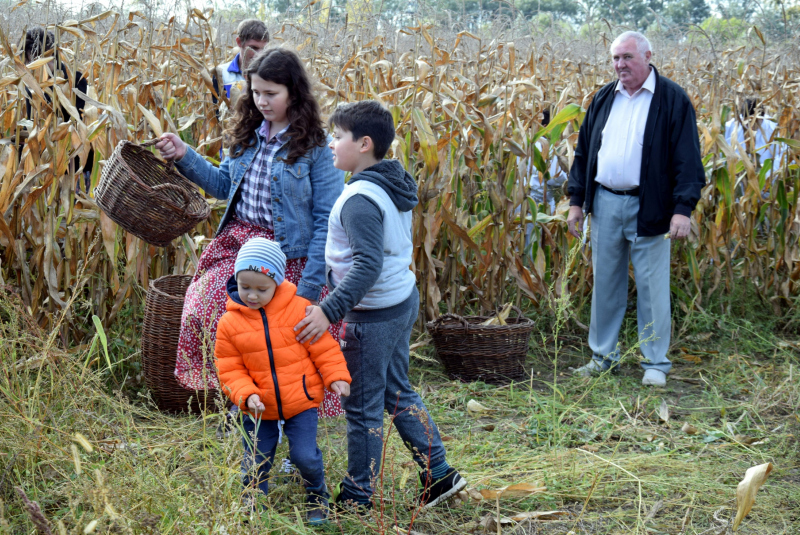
468, 112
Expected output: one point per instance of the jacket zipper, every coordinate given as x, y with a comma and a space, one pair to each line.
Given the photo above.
272, 364
306, 389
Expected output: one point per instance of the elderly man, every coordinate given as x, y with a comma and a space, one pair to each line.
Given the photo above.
637, 170
251, 39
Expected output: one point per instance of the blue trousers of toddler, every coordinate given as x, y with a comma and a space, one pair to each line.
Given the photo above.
260, 445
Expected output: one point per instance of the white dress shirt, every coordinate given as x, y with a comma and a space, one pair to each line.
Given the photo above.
763, 133
619, 162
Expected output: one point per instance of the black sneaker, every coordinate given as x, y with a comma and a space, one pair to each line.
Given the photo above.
317, 514
435, 492
341, 504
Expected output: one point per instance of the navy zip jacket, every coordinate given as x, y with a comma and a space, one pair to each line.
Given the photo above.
672, 174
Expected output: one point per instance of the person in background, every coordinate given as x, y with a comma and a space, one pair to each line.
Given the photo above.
252, 37
39, 41
759, 130
557, 175
638, 171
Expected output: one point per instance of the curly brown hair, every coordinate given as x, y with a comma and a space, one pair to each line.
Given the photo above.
306, 131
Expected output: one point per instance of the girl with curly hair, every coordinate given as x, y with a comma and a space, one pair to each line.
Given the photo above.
280, 184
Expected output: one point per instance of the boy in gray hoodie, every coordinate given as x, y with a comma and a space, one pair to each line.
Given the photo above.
368, 254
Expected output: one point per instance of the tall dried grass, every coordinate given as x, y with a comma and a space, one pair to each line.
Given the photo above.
468, 111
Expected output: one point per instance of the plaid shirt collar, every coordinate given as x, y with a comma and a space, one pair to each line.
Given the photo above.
264, 133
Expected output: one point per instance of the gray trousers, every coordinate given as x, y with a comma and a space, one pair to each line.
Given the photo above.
614, 242
376, 348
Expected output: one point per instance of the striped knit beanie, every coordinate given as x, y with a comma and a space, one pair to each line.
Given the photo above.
263, 256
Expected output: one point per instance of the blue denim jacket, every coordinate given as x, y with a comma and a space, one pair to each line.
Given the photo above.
302, 197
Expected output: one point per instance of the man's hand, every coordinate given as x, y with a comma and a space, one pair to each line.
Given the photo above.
575, 221
313, 326
679, 227
341, 387
255, 405
171, 147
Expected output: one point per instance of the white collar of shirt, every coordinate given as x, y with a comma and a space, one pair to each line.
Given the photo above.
649, 84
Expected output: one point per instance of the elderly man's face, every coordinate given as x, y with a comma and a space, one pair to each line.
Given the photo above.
632, 67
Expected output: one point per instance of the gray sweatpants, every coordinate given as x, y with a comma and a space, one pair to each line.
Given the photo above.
377, 354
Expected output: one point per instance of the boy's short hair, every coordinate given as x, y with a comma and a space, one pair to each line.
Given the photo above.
367, 118
252, 29
750, 107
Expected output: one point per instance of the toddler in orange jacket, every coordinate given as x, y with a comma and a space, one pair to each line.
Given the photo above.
276, 381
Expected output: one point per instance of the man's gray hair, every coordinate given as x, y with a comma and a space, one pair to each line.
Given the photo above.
642, 44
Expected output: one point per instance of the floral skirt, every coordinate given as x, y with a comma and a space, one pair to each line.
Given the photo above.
205, 303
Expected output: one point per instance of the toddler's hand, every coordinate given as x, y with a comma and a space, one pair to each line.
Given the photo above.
171, 147
313, 326
341, 387
255, 405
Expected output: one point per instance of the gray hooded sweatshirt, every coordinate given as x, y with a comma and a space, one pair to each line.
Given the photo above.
369, 247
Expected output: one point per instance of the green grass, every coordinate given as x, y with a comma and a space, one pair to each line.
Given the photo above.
598, 445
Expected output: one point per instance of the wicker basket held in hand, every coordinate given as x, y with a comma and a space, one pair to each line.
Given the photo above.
147, 197
160, 331
473, 352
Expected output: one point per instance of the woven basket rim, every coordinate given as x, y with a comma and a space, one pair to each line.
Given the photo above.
520, 323
152, 286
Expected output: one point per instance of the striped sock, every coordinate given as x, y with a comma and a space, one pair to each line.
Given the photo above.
439, 471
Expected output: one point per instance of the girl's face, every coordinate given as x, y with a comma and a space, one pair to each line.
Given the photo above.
271, 99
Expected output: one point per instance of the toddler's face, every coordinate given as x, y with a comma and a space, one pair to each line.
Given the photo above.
255, 289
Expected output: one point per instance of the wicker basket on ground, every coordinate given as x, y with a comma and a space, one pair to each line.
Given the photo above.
161, 327
147, 197
470, 351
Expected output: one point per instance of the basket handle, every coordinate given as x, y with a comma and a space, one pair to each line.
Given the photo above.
177, 189
154, 189
150, 143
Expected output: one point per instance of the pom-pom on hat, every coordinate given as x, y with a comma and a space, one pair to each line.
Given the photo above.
263, 256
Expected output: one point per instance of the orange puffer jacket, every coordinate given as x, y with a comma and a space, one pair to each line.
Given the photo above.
284, 372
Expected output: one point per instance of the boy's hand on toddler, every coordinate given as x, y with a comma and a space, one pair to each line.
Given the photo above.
313, 326
341, 387
171, 147
255, 405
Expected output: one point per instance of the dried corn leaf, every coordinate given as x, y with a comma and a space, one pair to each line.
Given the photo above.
746, 491
475, 408
512, 491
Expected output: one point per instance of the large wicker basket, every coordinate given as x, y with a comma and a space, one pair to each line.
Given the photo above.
470, 351
147, 197
162, 323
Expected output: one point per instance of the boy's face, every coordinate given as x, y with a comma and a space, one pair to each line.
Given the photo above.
248, 50
255, 289
348, 153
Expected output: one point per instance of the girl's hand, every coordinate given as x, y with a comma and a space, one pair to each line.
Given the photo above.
255, 405
171, 147
341, 387
313, 326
